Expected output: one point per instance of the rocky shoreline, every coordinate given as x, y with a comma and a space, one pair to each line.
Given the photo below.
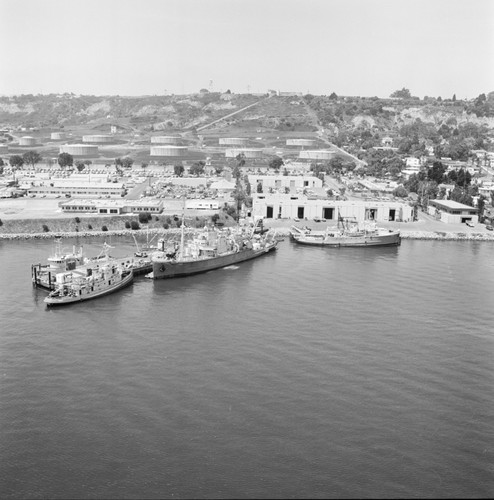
405, 235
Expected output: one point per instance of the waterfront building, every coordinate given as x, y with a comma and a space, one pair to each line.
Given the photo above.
113, 207
293, 205
452, 212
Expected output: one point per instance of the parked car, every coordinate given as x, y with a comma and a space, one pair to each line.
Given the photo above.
469, 223
319, 219
489, 227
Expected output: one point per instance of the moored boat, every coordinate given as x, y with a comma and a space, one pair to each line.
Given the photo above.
348, 234
90, 283
43, 275
208, 249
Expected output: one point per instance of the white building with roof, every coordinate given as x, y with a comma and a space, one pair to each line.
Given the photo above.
452, 212
283, 182
293, 205
77, 188
113, 207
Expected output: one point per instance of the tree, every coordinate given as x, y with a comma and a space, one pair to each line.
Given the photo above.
127, 162
402, 94
481, 207
65, 160
80, 165
31, 158
218, 169
16, 161
400, 192
276, 163
240, 160
178, 170
259, 187
197, 168
333, 96
436, 172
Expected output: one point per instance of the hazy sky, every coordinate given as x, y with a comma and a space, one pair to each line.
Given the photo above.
351, 47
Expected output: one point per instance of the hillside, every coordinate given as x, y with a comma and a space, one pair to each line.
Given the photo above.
355, 121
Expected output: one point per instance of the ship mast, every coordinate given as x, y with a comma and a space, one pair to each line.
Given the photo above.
182, 233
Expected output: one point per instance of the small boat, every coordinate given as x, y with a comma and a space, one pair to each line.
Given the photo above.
349, 233
90, 283
208, 249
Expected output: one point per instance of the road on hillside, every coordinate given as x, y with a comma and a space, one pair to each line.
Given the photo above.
232, 114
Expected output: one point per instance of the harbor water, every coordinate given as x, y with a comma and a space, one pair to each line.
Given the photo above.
306, 373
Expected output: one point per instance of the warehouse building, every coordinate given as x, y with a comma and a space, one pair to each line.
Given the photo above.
291, 206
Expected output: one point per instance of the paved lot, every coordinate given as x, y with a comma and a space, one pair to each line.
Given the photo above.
47, 208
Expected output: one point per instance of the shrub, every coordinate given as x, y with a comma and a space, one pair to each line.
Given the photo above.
134, 225
1, 222
89, 226
104, 228
144, 217
127, 224
77, 220
46, 229
165, 226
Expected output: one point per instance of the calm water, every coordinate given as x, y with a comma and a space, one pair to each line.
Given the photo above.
310, 372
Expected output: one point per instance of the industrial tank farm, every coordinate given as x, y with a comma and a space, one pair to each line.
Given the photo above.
27, 141
166, 139
98, 139
58, 136
169, 150
79, 149
233, 141
248, 153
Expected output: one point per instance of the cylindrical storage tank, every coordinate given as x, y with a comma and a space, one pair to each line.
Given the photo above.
248, 153
233, 141
309, 143
27, 141
169, 150
58, 136
318, 154
98, 139
165, 139
79, 150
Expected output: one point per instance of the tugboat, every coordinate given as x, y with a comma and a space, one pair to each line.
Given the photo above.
43, 275
89, 283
